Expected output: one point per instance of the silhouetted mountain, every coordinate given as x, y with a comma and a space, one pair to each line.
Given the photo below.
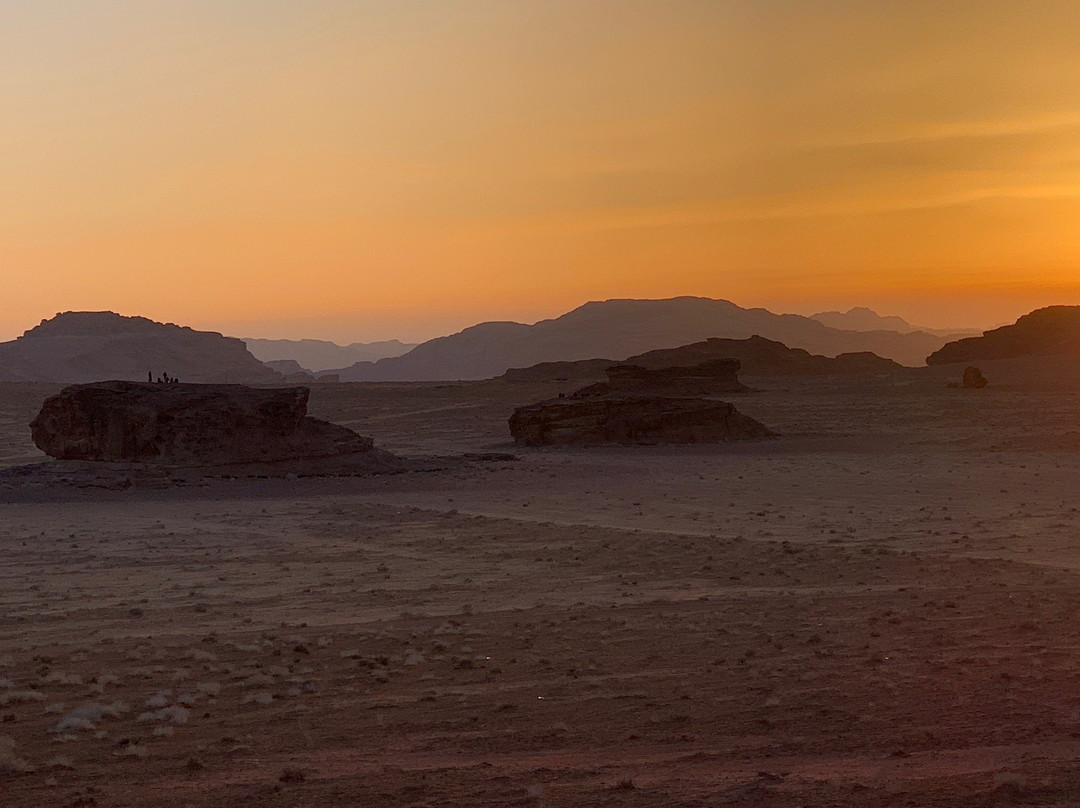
317, 354
764, 357
1044, 332
619, 328
86, 346
861, 318
757, 356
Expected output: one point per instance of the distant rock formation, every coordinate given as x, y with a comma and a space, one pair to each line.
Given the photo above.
631, 420
757, 356
189, 424
1050, 331
621, 328
318, 354
79, 347
974, 379
642, 405
291, 371
765, 357
860, 318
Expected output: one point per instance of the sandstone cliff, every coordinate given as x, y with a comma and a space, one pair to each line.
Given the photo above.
188, 424
640, 405
1051, 331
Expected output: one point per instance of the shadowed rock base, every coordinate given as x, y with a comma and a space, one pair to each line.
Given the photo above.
189, 424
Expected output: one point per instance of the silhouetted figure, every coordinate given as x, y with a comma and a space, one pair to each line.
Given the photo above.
150, 376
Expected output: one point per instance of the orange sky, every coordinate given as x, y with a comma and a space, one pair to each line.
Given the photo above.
363, 170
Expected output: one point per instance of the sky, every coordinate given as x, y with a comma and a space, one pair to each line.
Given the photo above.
404, 168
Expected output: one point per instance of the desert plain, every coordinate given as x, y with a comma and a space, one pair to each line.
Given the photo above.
876, 607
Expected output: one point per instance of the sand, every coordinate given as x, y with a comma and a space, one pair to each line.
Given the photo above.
876, 608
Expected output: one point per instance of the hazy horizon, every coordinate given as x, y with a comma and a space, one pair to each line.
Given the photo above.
344, 333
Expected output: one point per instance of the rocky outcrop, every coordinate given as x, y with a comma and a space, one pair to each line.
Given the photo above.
974, 379
1052, 331
639, 405
765, 357
756, 355
631, 420
86, 346
188, 424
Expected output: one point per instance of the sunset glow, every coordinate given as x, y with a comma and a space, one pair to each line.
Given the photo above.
366, 170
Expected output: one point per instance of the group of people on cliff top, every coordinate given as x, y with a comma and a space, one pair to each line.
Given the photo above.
164, 378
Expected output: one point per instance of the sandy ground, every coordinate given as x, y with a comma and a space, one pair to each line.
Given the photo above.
877, 608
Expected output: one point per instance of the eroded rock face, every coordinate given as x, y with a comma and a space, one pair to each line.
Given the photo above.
181, 424
642, 405
590, 421
1051, 331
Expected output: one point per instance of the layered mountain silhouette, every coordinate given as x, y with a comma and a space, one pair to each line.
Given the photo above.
1051, 331
757, 356
861, 318
621, 328
85, 346
317, 354
765, 357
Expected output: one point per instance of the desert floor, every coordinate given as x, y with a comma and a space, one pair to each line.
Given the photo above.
878, 607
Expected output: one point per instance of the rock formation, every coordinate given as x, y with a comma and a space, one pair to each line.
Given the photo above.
974, 379
620, 328
631, 420
317, 355
189, 424
765, 357
1052, 331
87, 346
757, 356
642, 405
292, 372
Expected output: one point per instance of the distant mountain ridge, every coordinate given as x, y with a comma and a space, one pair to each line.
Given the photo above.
318, 354
760, 356
860, 318
757, 356
620, 328
77, 347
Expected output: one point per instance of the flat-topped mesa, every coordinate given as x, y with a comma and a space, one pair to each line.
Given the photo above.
589, 421
642, 405
187, 424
